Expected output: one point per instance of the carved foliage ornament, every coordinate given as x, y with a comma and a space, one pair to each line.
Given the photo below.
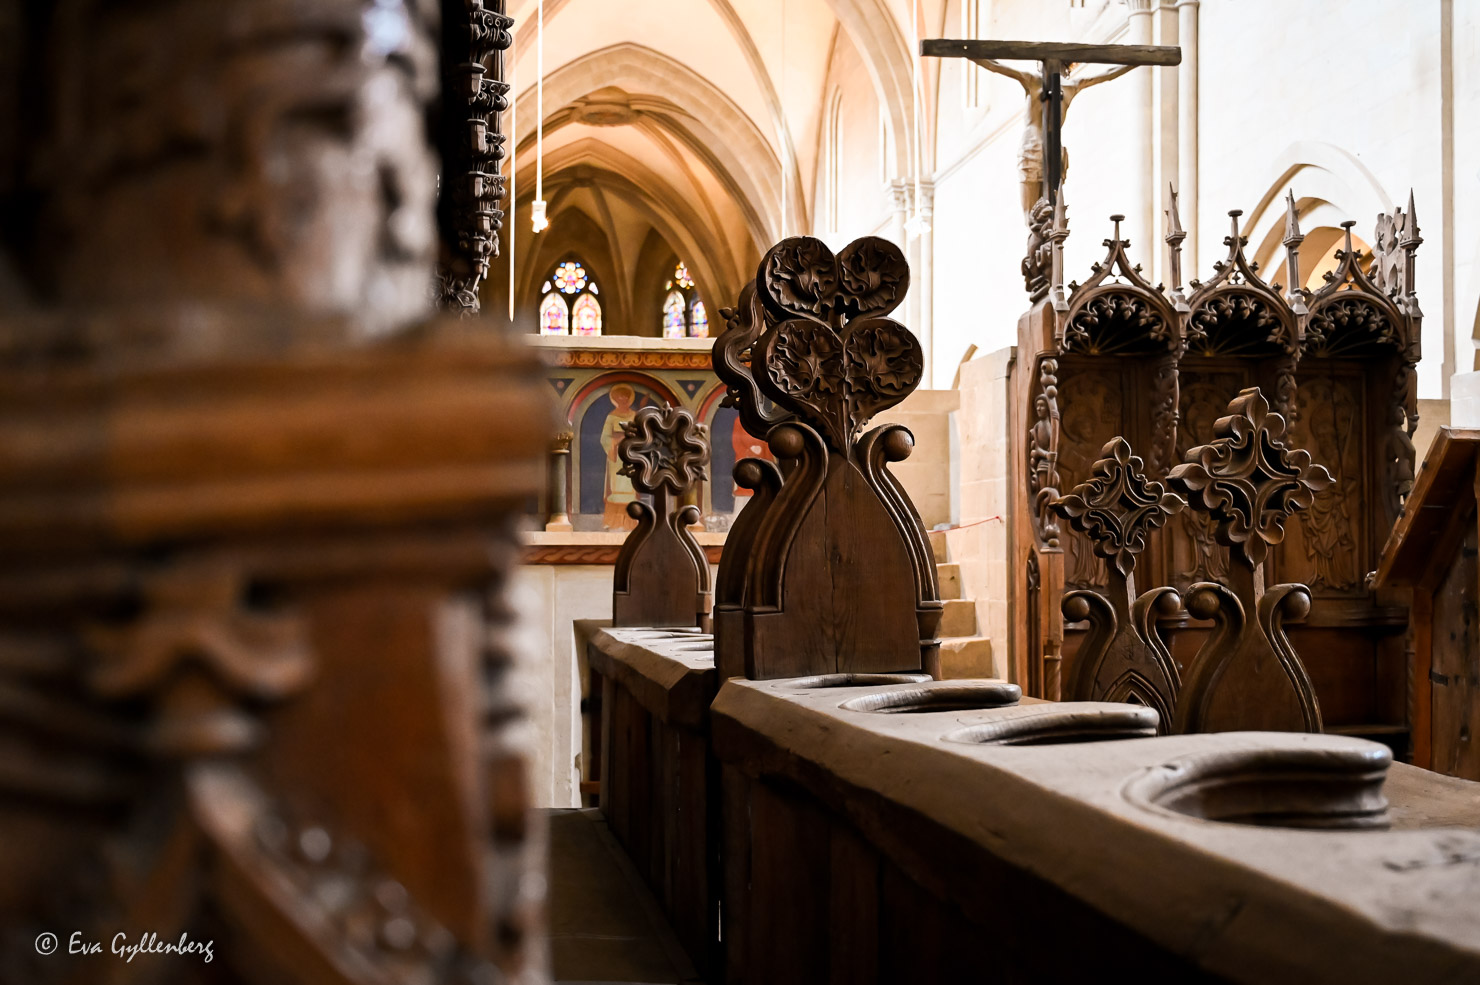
732, 354
831, 357
475, 96
1236, 311
1118, 506
1248, 479
1116, 309
665, 447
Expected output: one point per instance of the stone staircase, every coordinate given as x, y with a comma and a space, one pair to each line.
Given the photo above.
963, 653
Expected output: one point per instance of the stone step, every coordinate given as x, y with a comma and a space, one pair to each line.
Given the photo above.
966, 657
949, 577
938, 545
958, 619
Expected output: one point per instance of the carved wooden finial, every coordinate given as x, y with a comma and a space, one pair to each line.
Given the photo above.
1118, 506
830, 570
662, 575
834, 360
1175, 235
1247, 674
1248, 479
664, 448
1123, 658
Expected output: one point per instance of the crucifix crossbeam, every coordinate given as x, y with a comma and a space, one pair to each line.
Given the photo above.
1042, 155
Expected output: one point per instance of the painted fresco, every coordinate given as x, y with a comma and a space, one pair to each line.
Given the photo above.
600, 389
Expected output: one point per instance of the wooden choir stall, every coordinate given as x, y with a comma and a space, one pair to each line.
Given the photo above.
1335, 363
808, 803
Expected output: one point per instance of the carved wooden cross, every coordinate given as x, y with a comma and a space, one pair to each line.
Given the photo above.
1053, 58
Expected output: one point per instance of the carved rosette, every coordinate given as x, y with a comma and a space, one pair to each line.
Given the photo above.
475, 96
1248, 480
662, 575
664, 448
830, 356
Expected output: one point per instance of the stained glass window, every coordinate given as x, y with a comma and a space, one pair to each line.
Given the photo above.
587, 315
681, 275
570, 277
673, 320
699, 322
554, 316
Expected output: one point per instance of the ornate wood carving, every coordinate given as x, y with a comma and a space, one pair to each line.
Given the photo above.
476, 33
1043, 453
662, 575
234, 605
1158, 368
1116, 310
1123, 658
831, 571
203, 660
1247, 674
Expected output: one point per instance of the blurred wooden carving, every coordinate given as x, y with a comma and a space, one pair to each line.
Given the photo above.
255, 642
1123, 658
1247, 674
662, 575
838, 576
475, 34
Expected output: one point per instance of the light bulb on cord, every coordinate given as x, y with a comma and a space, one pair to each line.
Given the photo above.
538, 219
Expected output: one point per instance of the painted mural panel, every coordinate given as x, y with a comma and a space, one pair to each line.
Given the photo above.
604, 494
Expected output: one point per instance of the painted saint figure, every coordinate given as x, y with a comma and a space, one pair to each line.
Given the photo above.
618, 491
747, 445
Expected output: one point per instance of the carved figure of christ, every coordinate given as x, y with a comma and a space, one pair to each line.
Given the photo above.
1042, 160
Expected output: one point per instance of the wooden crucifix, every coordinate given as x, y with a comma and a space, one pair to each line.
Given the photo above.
1041, 160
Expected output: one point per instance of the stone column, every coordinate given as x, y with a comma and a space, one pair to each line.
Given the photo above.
898, 192
558, 487
1141, 208
1187, 11
923, 280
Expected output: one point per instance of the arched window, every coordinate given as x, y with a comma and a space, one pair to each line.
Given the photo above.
554, 316
673, 320
586, 316
570, 306
684, 315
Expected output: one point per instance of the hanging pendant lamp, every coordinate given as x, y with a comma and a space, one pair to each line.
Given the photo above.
537, 212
